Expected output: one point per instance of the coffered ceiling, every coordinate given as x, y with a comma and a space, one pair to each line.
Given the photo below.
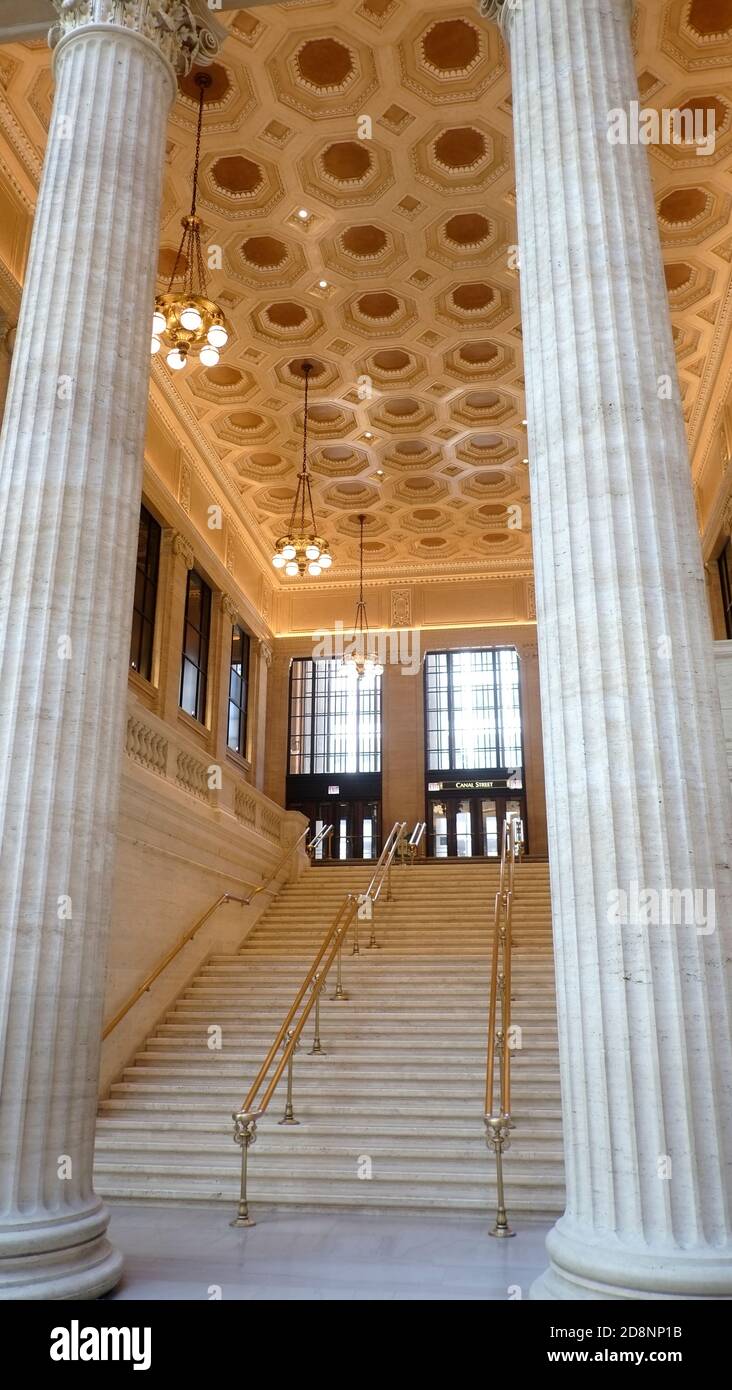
388, 122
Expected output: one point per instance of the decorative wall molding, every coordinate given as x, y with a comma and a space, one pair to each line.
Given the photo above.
245, 807
192, 774
271, 826
229, 608
182, 547
401, 608
184, 486
146, 747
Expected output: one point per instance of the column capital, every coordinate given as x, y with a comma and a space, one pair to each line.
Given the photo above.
502, 12
265, 652
182, 547
183, 31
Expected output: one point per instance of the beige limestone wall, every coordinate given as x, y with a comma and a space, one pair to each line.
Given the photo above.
179, 847
193, 822
723, 654
403, 764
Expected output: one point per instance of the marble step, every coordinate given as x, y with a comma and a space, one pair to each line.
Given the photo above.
535, 1191
546, 1127
350, 1110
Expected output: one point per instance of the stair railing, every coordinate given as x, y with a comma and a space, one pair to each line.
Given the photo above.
381, 878
498, 1122
175, 950
260, 1093
409, 849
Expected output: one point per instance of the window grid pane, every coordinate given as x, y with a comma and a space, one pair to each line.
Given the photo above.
473, 710
335, 719
196, 631
238, 690
146, 588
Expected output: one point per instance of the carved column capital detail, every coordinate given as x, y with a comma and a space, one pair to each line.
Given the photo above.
183, 31
265, 652
229, 608
500, 11
183, 548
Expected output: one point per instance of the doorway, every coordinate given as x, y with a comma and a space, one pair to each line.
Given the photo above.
468, 827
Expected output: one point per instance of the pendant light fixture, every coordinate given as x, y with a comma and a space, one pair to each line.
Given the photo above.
186, 321
359, 656
302, 549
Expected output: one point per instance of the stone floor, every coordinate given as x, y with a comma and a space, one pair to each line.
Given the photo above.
184, 1252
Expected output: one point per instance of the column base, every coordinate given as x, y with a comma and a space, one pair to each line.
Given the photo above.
63, 1259
604, 1268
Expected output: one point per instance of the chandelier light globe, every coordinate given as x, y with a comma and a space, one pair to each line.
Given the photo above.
279, 560
312, 551
185, 318
155, 345
191, 318
289, 552
326, 560
292, 568
314, 568
218, 336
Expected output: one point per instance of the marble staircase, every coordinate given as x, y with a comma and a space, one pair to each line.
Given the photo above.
391, 1115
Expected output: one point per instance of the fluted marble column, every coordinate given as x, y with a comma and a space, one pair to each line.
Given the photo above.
70, 479
636, 781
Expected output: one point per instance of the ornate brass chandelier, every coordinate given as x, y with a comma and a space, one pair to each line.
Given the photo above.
359, 655
187, 320
302, 550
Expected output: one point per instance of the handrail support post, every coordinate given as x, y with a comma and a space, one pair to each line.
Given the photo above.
340, 993
317, 1049
245, 1134
289, 1116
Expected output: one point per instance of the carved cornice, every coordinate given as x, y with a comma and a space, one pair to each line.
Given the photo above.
183, 549
183, 31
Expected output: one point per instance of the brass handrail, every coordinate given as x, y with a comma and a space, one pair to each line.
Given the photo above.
498, 1122
408, 848
288, 1035
201, 921
381, 876
167, 958
252, 1109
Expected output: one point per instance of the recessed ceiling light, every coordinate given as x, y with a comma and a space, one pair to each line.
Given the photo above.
524, 422
322, 284
524, 460
368, 435
303, 214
